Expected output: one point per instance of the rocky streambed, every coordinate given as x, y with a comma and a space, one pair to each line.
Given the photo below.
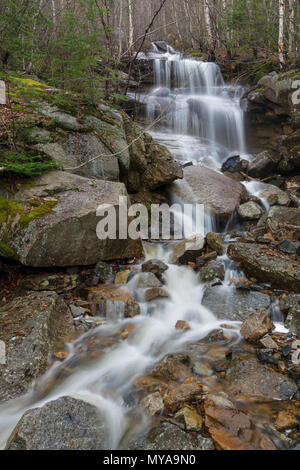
179, 344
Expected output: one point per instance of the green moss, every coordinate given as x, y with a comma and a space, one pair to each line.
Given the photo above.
10, 209
29, 83
7, 252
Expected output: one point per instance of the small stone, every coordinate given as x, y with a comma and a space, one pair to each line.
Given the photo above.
285, 420
211, 271
103, 272
188, 250
156, 267
145, 280
203, 260
250, 211
2, 353
77, 311
182, 325
268, 343
216, 242
153, 404
203, 369
155, 293
122, 277
190, 418
256, 326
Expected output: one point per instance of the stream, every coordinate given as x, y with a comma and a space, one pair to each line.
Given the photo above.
201, 122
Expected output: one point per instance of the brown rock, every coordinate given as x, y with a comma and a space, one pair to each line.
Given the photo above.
179, 395
173, 367
182, 325
190, 418
110, 300
256, 326
155, 293
285, 420
153, 404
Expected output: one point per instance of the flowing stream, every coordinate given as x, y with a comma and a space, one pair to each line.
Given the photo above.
202, 123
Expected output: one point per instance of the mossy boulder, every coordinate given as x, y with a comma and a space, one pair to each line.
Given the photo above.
53, 222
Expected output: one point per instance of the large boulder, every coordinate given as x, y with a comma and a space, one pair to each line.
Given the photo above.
63, 424
233, 304
281, 217
31, 327
219, 194
256, 326
263, 164
267, 265
290, 307
151, 165
53, 222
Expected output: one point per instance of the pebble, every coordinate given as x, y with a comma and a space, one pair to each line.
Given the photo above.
2, 353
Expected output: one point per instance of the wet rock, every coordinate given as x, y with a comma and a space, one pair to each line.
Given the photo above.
188, 250
182, 325
234, 304
146, 280
235, 164
153, 404
59, 282
122, 276
212, 271
281, 217
264, 164
289, 247
216, 242
31, 326
113, 302
173, 367
61, 229
256, 326
220, 195
265, 265
202, 368
273, 195
167, 436
268, 342
190, 418
232, 429
290, 307
248, 377
181, 394
63, 424
156, 267
285, 420
250, 211
155, 293
204, 259
162, 92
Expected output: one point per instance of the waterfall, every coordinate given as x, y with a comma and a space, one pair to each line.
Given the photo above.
191, 100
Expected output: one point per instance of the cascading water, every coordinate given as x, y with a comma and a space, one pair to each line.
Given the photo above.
203, 123
199, 117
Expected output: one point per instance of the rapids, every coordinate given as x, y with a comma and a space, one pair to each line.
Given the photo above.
201, 122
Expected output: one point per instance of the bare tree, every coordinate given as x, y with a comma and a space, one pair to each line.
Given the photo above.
292, 28
281, 44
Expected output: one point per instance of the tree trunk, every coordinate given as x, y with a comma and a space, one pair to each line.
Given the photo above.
292, 29
208, 26
281, 46
130, 20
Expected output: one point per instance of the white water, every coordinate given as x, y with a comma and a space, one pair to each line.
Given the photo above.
204, 130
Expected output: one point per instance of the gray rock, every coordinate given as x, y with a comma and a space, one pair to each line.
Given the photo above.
289, 247
281, 216
220, 195
59, 282
250, 210
263, 164
153, 404
155, 266
187, 250
64, 120
63, 232
234, 304
104, 272
167, 436
63, 424
273, 195
2, 353
146, 280
213, 270
290, 307
247, 376
258, 263
31, 327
